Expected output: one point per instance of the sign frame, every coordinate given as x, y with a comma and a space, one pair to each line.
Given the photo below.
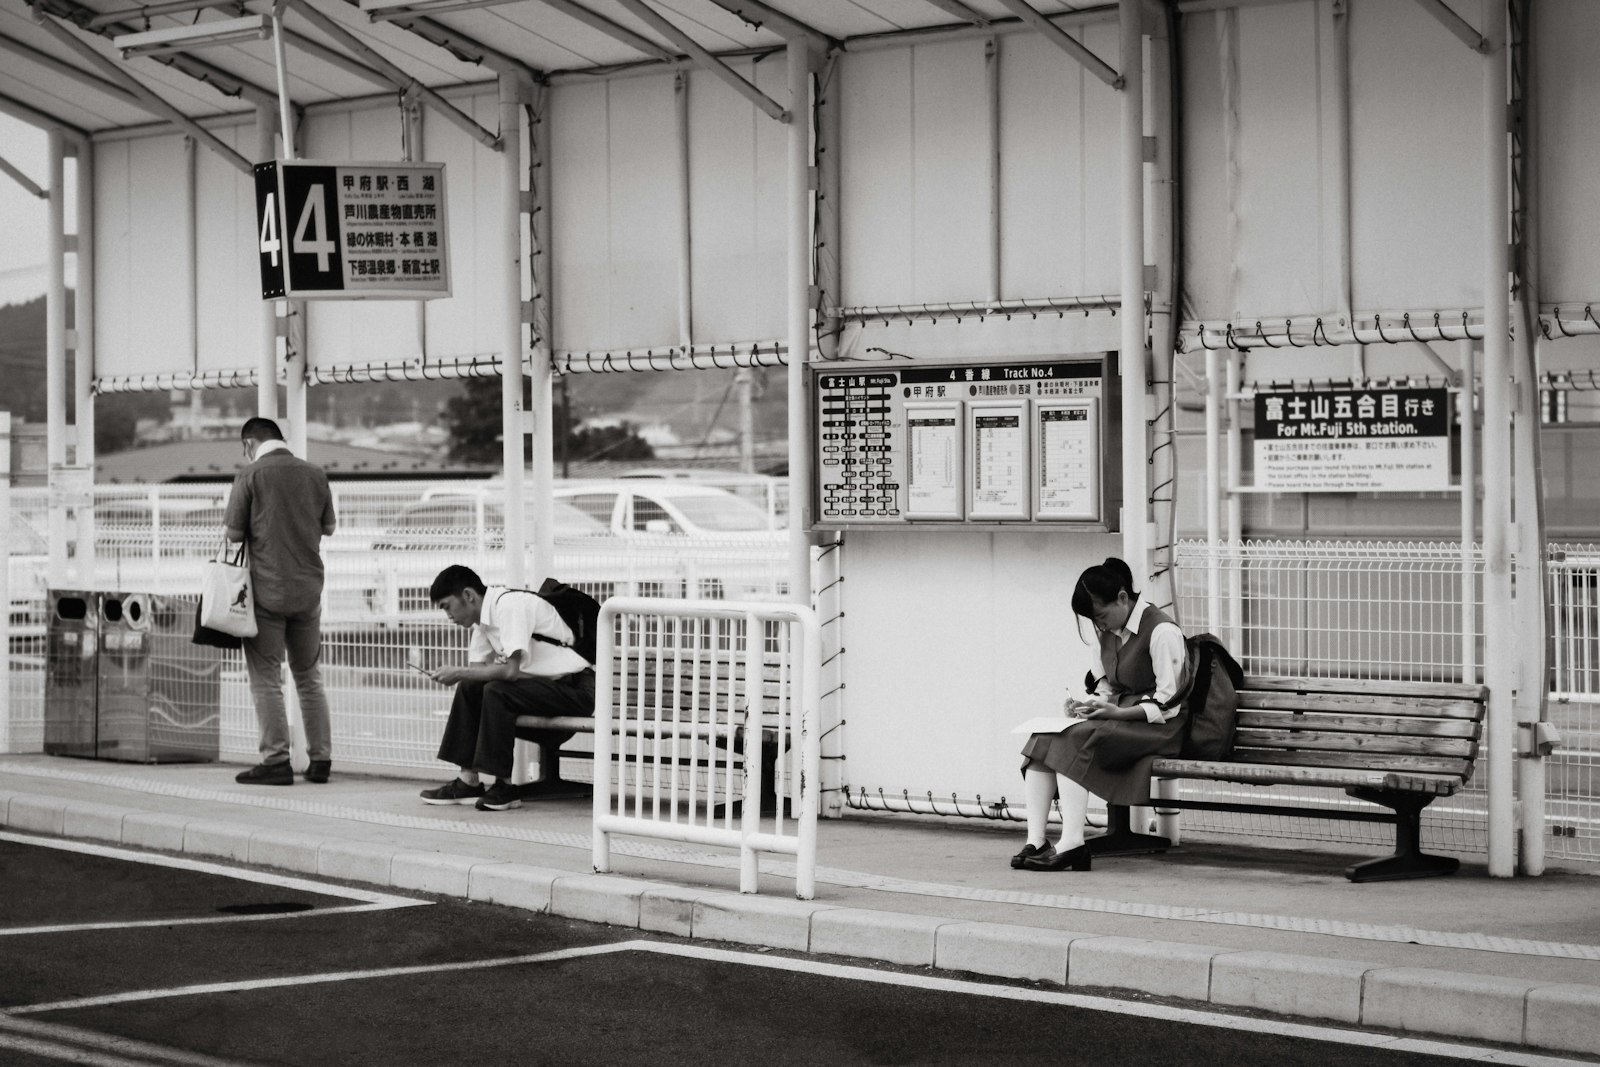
1376, 439
311, 246
976, 411
923, 411
1043, 509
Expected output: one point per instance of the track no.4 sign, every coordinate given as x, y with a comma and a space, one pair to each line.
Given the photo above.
335, 230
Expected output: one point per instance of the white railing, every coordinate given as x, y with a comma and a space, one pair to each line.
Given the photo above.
693, 702
1574, 574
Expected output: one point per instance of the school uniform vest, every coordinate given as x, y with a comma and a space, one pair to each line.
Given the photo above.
1128, 664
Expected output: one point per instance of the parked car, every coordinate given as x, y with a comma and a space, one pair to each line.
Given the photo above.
770, 495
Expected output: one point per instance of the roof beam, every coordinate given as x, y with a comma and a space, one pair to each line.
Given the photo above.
6, 167
335, 58
148, 98
784, 25
198, 69
42, 119
400, 78
1064, 41
175, 7
615, 30
1456, 25
464, 48
961, 11
703, 57
67, 70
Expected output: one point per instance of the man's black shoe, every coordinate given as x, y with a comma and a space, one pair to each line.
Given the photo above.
318, 770
455, 791
267, 774
501, 796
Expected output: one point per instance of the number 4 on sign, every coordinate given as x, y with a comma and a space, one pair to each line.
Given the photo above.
313, 216
269, 229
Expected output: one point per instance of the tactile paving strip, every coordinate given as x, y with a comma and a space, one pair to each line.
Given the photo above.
830, 875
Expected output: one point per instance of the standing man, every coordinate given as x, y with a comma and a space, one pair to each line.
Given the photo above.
520, 662
281, 507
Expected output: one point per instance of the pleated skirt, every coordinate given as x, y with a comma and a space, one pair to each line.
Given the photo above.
1110, 758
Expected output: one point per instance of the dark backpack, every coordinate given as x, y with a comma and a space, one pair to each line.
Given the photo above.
1212, 702
579, 610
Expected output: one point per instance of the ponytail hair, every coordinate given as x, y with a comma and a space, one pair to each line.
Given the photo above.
1101, 584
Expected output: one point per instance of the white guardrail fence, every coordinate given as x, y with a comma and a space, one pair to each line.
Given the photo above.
709, 715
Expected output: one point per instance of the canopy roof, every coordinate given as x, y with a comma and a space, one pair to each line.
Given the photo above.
45, 80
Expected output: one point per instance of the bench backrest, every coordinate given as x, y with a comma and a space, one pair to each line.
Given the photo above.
1408, 727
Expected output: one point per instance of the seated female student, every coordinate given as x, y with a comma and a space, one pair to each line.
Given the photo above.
1130, 723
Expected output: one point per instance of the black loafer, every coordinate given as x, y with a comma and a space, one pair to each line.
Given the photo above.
1076, 859
318, 770
266, 774
1027, 853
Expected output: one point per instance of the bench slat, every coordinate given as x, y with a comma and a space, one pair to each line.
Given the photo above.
1433, 785
1356, 742
1357, 703
1361, 724
1355, 761
1369, 686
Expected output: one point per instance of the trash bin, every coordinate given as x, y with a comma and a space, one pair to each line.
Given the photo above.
124, 682
72, 648
159, 694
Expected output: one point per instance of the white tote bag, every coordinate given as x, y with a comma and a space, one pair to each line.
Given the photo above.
227, 600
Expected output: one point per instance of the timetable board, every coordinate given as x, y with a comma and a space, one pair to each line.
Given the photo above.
898, 444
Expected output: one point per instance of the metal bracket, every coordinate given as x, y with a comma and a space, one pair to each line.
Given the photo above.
1536, 740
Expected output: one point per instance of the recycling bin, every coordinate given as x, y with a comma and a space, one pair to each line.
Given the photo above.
125, 682
72, 649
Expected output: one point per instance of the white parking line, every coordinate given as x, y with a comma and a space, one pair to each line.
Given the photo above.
367, 900
71, 1044
1144, 1010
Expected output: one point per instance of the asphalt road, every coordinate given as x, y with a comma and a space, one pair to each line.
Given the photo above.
306, 974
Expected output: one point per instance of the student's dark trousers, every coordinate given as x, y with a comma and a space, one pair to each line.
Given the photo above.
482, 729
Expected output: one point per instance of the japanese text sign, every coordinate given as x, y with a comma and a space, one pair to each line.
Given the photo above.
1369, 440
334, 230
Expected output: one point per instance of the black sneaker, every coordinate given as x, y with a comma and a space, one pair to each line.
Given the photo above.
501, 796
318, 771
455, 791
267, 774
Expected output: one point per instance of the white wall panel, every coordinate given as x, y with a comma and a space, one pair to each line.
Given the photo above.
950, 190
1208, 210
143, 256
228, 281
468, 324
1568, 132
738, 192
1042, 180
614, 214
994, 644
877, 219
1416, 159
1100, 151
361, 331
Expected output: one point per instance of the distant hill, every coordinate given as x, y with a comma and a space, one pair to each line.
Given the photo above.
22, 359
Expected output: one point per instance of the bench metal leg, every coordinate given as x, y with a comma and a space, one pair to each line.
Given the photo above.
1408, 861
1120, 838
551, 786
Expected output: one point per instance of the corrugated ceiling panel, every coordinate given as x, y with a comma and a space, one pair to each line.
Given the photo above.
1568, 132
738, 190
142, 229
228, 281
1416, 161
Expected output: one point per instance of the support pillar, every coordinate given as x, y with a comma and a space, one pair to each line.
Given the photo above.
83, 347
55, 309
267, 354
798, 331
1133, 357
514, 424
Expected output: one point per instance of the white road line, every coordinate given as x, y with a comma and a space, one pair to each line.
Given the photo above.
367, 900
50, 1051
73, 1044
315, 979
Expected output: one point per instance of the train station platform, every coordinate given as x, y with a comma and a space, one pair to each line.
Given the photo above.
1239, 925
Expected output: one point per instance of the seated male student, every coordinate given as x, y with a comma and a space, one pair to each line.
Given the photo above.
509, 672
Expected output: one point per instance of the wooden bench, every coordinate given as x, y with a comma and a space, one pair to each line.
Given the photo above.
1398, 745
657, 689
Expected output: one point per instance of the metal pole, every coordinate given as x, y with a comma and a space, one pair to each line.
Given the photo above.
83, 346
1234, 509
5, 584
991, 68
1469, 510
55, 306
1213, 491
680, 98
295, 353
798, 332
514, 425
267, 354
1135, 380
1499, 657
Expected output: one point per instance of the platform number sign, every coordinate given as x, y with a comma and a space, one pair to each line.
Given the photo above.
351, 230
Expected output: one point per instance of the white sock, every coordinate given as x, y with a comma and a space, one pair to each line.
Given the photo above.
1074, 810
470, 777
1039, 784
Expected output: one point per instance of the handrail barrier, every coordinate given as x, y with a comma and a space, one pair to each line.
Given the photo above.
696, 703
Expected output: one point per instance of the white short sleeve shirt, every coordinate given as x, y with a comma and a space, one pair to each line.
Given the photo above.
510, 619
